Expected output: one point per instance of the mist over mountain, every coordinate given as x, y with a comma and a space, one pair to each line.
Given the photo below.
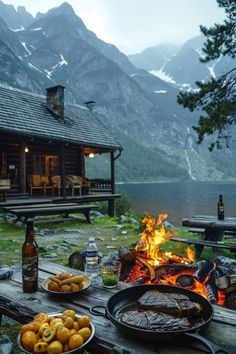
139, 107
153, 58
182, 68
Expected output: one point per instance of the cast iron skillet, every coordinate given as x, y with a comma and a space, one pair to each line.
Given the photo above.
127, 299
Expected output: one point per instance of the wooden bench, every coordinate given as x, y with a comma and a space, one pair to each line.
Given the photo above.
5, 184
195, 230
52, 209
110, 198
199, 243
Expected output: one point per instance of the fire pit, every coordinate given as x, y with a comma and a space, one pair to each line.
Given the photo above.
149, 264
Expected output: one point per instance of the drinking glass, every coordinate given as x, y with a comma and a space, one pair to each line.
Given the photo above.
110, 273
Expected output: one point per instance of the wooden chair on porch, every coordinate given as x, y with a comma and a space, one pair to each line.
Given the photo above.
85, 184
56, 183
73, 184
35, 184
40, 183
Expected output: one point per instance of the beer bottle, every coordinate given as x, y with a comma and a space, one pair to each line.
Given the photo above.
30, 260
221, 208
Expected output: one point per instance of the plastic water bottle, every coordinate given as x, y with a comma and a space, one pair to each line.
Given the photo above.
91, 259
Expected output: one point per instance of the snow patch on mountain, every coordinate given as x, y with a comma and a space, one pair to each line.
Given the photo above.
50, 72
17, 29
34, 67
63, 61
27, 50
160, 91
162, 75
36, 29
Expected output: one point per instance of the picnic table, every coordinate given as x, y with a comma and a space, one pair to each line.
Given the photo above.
212, 231
108, 339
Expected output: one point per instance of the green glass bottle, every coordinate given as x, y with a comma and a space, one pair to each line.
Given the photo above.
221, 208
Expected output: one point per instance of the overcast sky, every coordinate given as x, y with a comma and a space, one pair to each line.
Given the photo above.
133, 25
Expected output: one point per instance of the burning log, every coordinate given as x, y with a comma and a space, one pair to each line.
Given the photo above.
175, 258
185, 281
211, 288
140, 280
204, 270
172, 269
126, 255
148, 266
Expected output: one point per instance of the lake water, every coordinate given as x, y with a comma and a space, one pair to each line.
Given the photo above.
180, 199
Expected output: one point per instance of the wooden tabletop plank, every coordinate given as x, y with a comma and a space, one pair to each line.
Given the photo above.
224, 225
27, 304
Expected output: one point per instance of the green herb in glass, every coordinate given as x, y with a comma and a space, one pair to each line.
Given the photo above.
110, 279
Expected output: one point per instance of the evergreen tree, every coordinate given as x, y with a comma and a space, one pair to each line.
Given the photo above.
216, 99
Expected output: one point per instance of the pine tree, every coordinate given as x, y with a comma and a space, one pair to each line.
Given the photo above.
216, 98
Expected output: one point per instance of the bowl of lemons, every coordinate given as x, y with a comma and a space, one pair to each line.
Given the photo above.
55, 333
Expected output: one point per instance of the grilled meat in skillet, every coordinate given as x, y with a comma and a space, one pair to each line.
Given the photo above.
152, 320
173, 304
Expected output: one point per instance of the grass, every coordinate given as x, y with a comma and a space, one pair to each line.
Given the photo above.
56, 243
108, 232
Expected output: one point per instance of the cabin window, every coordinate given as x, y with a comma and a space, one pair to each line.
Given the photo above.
52, 163
39, 165
46, 165
3, 164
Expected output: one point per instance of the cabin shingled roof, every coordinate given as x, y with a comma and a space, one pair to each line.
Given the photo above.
26, 113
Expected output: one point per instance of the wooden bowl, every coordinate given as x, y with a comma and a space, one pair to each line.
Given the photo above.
76, 350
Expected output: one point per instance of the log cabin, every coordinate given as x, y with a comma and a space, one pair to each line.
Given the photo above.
45, 137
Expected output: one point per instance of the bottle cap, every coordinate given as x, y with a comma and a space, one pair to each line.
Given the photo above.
30, 221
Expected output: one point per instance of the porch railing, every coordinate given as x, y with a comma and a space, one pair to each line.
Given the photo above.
100, 184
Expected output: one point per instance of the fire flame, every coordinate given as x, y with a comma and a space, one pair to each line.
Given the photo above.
190, 253
151, 239
153, 236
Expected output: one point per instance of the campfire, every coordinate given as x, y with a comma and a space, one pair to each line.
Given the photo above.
150, 264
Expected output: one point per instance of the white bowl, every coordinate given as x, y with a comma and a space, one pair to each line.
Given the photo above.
76, 350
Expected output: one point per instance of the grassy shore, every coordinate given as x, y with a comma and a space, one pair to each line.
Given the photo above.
57, 241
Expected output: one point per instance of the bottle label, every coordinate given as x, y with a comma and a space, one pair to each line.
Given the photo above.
30, 268
92, 254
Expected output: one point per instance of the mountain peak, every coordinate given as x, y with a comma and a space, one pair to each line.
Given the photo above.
66, 7
63, 9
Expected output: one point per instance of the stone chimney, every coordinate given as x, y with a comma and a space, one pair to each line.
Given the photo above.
55, 100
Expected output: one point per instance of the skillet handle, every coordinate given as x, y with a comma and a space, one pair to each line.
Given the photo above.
93, 310
214, 349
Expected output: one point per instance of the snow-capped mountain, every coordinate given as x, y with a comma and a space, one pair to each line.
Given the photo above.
57, 48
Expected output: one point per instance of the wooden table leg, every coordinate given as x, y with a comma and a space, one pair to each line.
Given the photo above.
210, 234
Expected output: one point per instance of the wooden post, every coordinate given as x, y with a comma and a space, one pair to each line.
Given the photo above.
22, 168
63, 171
111, 202
80, 163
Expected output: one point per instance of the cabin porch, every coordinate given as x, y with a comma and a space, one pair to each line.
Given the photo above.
34, 168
